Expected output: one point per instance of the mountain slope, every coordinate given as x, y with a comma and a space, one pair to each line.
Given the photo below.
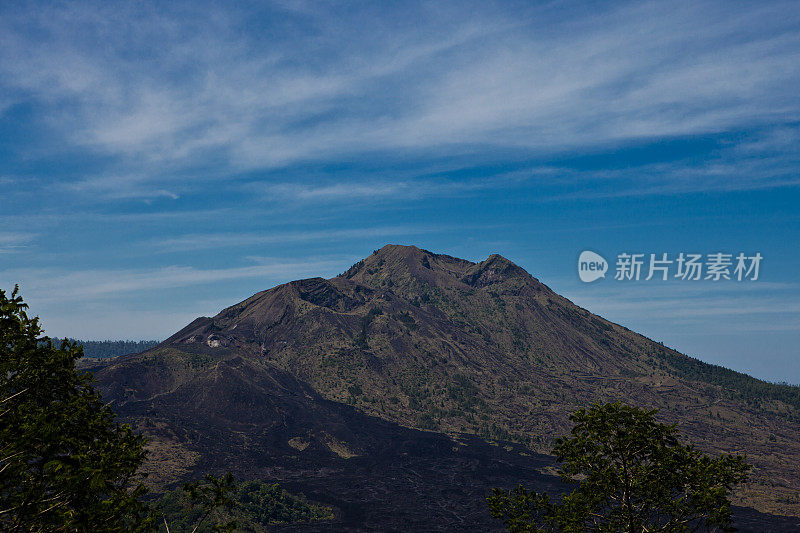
434, 342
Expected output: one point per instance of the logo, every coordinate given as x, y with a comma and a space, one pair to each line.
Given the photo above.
591, 266
684, 266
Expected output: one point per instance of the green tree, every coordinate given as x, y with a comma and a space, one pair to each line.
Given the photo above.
65, 463
214, 495
632, 475
250, 506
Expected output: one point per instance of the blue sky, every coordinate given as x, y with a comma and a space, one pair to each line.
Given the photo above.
158, 162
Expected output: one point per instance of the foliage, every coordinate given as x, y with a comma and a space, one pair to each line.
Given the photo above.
252, 506
204, 498
746, 387
522, 511
632, 474
406, 318
366, 320
464, 392
264, 503
65, 463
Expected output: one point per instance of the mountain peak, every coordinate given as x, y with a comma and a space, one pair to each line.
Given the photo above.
400, 252
496, 269
398, 265
397, 248
412, 254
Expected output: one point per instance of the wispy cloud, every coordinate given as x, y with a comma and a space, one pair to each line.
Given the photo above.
202, 241
121, 187
374, 189
53, 285
763, 159
732, 307
183, 88
14, 241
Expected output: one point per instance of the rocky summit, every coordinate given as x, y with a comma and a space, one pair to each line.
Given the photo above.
400, 391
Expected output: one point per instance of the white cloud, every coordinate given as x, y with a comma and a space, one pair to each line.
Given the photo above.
54, 285
180, 88
202, 241
676, 308
14, 241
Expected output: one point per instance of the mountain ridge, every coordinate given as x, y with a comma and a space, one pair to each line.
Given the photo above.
433, 342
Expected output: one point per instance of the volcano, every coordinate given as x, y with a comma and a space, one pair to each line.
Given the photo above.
400, 391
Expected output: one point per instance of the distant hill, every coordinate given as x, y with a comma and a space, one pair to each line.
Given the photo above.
109, 348
300, 378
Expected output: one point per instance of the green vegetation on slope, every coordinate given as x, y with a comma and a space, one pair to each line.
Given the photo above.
748, 388
256, 505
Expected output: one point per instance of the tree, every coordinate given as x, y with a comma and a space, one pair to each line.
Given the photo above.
632, 474
212, 496
247, 506
65, 463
